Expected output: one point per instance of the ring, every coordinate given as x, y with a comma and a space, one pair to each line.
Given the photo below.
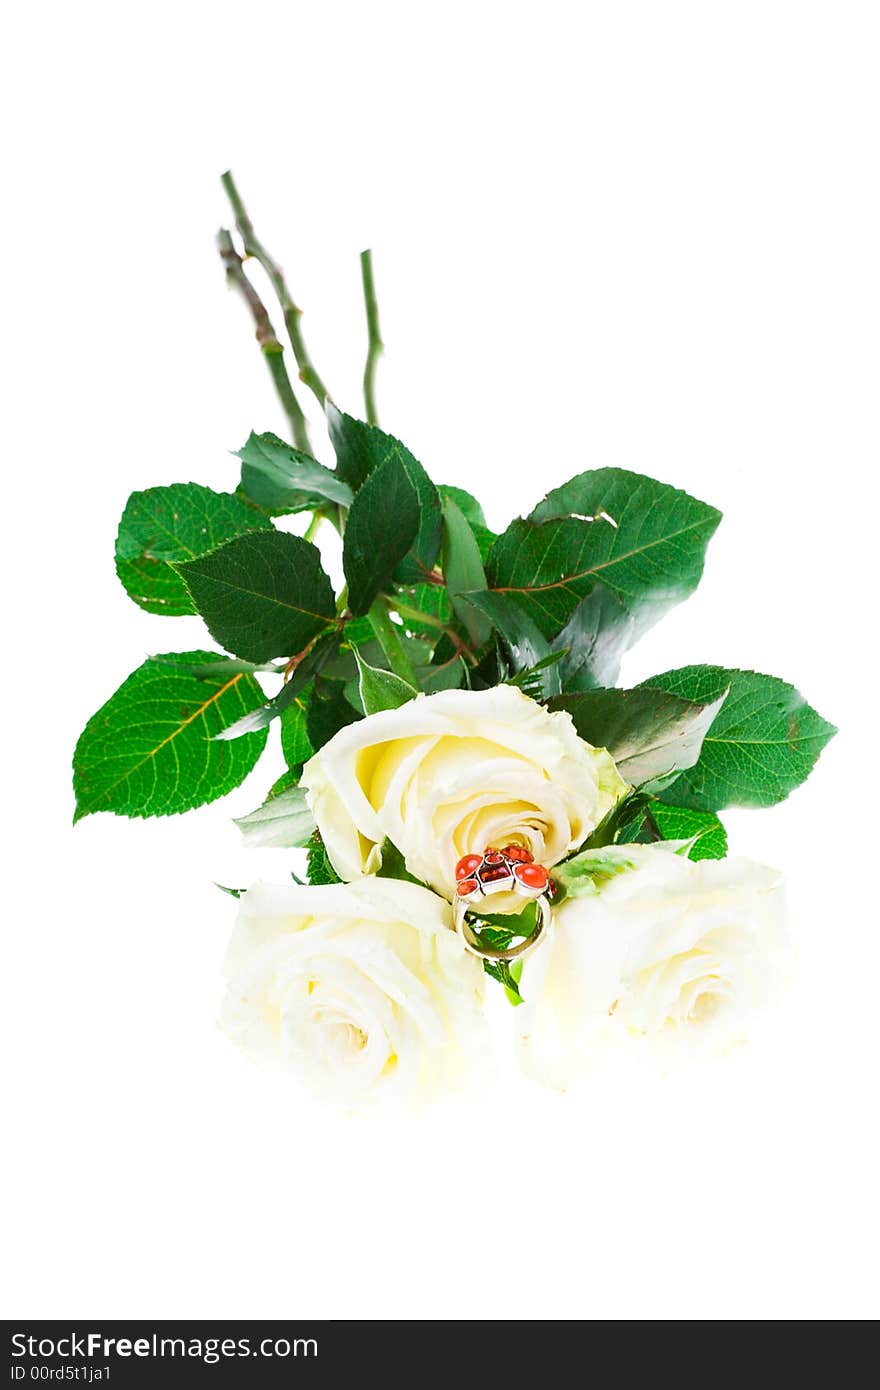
497, 871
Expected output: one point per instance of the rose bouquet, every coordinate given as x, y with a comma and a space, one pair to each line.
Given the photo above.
475, 801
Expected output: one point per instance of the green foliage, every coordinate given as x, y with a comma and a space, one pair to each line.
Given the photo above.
651, 735
382, 524
152, 750
381, 689
526, 648
295, 743
262, 595
681, 823
463, 573
319, 869
165, 525
284, 821
432, 595
281, 479
651, 558
762, 744
361, 450
595, 638
579, 877
328, 712
393, 864
466, 502
508, 974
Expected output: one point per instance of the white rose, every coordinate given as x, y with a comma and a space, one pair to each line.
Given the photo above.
667, 953
451, 774
362, 990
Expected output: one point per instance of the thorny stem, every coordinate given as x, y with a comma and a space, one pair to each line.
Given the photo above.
387, 636
375, 344
270, 347
291, 311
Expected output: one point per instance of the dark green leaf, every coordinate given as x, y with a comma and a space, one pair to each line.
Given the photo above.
263, 595
381, 689
362, 449
382, 524
281, 479
164, 525
763, 743
463, 572
151, 749
597, 634
328, 712
294, 736
651, 735
526, 648
422, 557
652, 558
319, 655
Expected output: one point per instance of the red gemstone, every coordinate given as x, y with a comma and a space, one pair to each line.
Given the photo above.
532, 875
466, 887
494, 873
518, 854
467, 867
493, 856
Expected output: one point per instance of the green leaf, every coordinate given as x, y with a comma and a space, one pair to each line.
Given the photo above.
319, 655
328, 712
320, 870
523, 642
651, 558
681, 823
463, 573
485, 540
622, 822
281, 479
224, 665
597, 634
422, 556
762, 744
465, 501
288, 779
580, 876
295, 744
151, 749
508, 974
381, 689
165, 525
393, 865
262, 595
284, 821
651, 735
382, 524
362, 449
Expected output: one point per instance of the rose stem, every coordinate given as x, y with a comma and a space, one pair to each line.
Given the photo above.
270, 347
375, 345
292, 313
387, 636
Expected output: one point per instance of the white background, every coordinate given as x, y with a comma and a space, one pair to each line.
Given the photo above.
641, 235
